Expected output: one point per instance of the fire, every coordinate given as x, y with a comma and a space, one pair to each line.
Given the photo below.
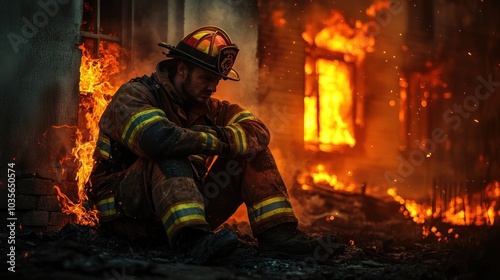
95, 92
419, 213
476, 209
321, 177
328, 106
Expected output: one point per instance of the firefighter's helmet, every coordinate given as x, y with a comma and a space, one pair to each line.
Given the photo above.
209, 47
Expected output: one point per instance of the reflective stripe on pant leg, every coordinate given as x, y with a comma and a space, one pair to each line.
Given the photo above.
182, 214
270, 208
178, 202
264, 192
106, 208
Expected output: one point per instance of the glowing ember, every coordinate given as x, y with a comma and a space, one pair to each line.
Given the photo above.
96, 91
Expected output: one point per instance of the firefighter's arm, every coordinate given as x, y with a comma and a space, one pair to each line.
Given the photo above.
167, 139
144, 129
245, 134
240, 129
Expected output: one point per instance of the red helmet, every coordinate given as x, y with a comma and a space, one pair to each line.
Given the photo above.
210, 48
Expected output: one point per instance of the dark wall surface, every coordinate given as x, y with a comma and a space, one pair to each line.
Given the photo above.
39, 76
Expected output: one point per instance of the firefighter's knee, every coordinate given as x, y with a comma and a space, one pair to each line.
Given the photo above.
176, 167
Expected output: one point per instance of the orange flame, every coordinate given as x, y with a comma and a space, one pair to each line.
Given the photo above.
96, 92
459, 211
377, 6
321, 177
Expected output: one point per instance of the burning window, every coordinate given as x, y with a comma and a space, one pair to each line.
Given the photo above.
104, 21
328, 115
333, 95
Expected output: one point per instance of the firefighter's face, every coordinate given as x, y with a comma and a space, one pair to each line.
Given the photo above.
199, 84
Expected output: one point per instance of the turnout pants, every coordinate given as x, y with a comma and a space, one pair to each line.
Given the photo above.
165, 193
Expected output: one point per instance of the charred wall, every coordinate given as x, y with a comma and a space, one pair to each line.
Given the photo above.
453, 47
39, 78
281, 81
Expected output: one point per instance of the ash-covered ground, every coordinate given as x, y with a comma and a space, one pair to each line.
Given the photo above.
80, 252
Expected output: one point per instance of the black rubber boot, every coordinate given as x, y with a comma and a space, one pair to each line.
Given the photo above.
202, 247
288, 241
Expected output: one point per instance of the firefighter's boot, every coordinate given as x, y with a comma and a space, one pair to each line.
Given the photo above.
202, 246
286, 240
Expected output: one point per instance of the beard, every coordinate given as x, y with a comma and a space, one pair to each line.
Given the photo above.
191, 95
187, 90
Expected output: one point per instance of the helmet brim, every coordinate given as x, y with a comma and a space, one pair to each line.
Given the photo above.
174, 52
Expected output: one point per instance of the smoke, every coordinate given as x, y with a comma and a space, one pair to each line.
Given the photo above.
239, 20
148, 29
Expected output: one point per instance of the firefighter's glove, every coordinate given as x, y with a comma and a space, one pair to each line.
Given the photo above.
211, 144
215, 130
205, 128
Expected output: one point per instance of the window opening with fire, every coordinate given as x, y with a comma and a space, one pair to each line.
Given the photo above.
333, 101
328, 102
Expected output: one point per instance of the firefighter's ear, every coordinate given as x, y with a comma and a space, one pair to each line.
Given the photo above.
182, 69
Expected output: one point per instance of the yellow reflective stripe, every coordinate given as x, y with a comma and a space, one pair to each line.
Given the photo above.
268, 208
272, 213
103, 153
267, 202
185, 219
241, 116
139, 121
105, 201
198, 157
204, 136
106, 207
181, 213
103, 146
107, 213
105, 139
240, 137
208, 141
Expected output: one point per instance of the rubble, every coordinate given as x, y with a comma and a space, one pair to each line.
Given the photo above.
83, 252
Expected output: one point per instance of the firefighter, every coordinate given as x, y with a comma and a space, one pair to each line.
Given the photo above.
171, 157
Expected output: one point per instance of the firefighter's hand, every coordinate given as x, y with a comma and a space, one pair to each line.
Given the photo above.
215, 130
204, 128
211, 145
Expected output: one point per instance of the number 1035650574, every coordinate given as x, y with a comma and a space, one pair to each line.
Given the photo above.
11, 187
